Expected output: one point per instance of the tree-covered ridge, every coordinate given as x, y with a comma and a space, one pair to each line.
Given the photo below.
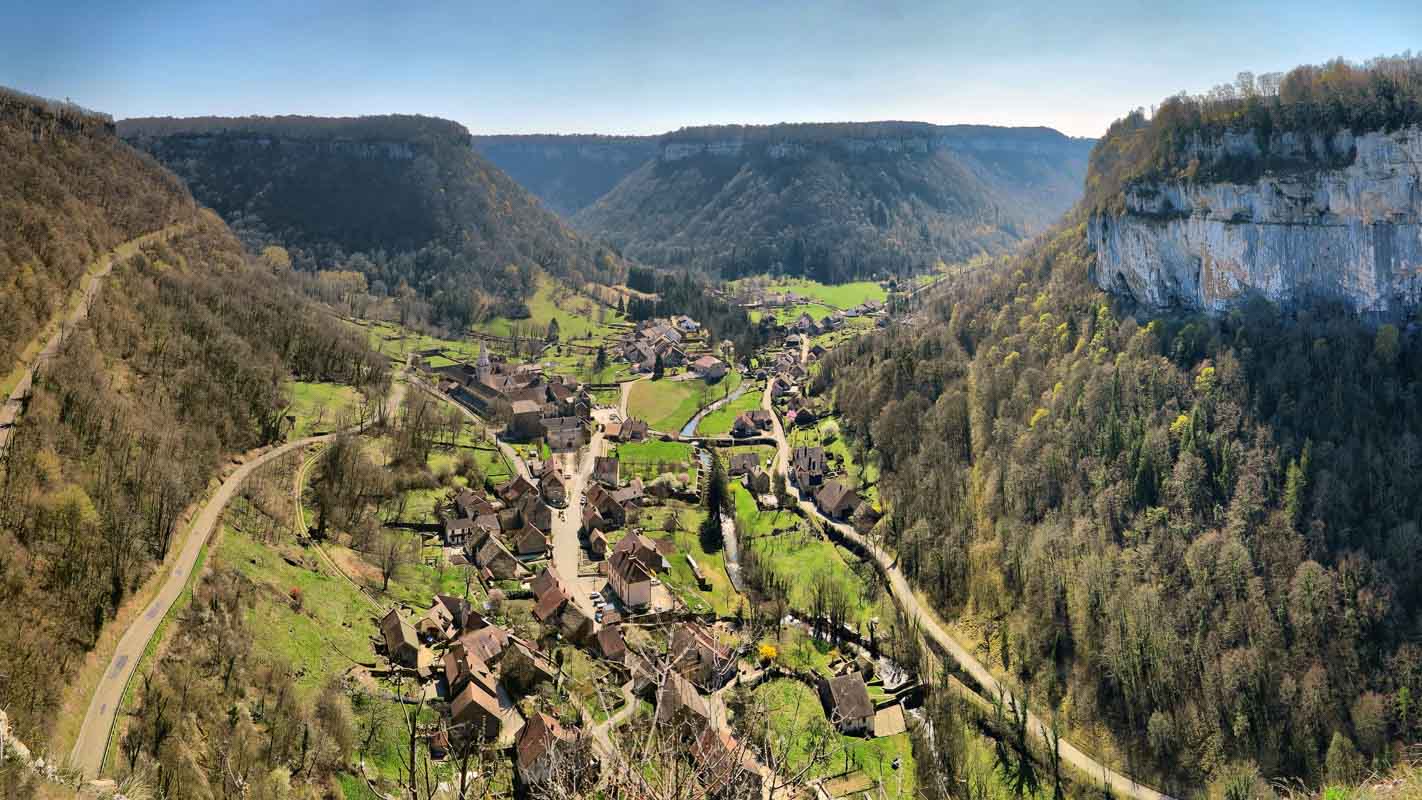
404, 201
1382, 94
778, 205
182, 363
1203, 532
69, 191
884, 129
387, 127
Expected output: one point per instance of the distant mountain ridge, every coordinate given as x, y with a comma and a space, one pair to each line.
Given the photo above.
404, 200
838, 200
567, 172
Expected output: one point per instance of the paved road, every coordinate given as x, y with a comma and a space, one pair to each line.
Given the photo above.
88, 753
935, 630
566, 522
10, 411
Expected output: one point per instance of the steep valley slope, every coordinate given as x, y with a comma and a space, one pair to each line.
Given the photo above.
404, 201
838, 201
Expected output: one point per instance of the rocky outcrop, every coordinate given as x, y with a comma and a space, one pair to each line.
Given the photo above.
1317, 217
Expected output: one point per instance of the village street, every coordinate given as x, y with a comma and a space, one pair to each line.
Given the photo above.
567, 521
937, 633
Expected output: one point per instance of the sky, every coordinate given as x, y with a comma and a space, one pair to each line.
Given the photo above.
625, 66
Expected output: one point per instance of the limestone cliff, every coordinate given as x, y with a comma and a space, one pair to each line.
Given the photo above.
1316, 216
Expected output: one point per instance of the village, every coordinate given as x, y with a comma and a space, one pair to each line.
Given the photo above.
588, 555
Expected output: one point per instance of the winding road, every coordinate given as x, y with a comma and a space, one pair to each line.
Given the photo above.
937, 634
77, 312
92, 743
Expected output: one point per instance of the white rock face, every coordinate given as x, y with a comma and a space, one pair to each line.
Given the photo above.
1342, 218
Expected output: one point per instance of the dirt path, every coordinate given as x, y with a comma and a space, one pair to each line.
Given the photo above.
92, 742
64, 323
933, 629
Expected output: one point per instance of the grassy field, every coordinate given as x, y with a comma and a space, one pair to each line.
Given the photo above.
667, 405
796, 714
646, 459
719, 422
577, 315
322, 407
843, 295
566, 361
804, 559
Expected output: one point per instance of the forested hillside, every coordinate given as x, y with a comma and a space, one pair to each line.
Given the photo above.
402, 200
69, 190
568, 173
1201, 531
838, 201
183, 361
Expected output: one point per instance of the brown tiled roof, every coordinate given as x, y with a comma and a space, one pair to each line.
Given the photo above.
610, 642
537, 736
850, 697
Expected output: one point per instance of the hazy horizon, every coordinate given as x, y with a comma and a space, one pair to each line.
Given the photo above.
636, 69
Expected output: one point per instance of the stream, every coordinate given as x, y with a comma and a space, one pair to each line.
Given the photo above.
689, 429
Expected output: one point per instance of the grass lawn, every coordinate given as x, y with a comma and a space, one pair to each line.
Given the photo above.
719, 422
326, 637
321, 407
667, 405
577, 315
789, 314
647, 459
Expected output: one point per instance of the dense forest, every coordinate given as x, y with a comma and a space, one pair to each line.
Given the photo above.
69, 191
183, 362
1309, 102
402, 200
1201, 531
838, 202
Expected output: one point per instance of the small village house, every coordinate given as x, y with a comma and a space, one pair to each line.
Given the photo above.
846, 702
401, 645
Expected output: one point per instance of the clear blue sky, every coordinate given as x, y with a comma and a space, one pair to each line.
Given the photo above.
623, 66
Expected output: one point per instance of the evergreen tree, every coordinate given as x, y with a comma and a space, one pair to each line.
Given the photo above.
716, 496
657, 368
